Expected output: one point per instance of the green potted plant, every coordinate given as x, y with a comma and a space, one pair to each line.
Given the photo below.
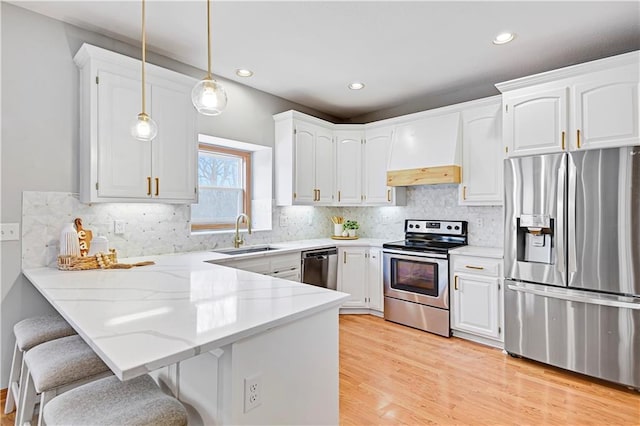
351, 226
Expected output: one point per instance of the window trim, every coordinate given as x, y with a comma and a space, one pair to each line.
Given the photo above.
247, 182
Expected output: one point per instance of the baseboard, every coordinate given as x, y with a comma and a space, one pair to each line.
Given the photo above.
478, 339
360, 311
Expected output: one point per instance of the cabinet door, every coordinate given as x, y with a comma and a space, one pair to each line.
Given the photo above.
376, 157
352, 266
476, 305
175, 147
606, 110
304, 175
349, 167
124, 163
535, 122
324, 166
482, 156
374, 279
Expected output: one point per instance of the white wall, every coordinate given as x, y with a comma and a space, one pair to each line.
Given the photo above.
39, 150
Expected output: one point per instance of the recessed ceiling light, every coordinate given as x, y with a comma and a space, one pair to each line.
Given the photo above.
244, 72
503, 38
356, 85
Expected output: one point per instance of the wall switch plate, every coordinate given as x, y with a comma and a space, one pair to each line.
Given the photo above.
9, 231
119, 227
252, 392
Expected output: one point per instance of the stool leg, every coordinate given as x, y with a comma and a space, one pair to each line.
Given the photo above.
45, 397
27, 402
14, 378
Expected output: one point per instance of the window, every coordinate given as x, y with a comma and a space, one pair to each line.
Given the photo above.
224, 181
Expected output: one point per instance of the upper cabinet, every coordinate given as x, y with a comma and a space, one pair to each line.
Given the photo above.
587, 106
349, 145
305, 160
377, 147
115, 167
482, 153
319, 163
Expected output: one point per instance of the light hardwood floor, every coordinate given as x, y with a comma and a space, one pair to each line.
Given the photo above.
391, 374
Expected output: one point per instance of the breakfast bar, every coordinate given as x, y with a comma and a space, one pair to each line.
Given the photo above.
207, 332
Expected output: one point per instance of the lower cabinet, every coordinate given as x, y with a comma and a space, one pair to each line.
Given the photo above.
360, 275
286, 266
476, 298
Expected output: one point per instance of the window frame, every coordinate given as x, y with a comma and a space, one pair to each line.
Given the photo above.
247, 182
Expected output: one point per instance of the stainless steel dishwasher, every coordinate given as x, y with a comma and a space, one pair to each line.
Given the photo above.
320, 267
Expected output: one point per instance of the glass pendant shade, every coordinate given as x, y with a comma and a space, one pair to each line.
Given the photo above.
144, 128
209, 97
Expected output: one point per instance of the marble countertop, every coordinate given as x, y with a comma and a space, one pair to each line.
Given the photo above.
491, 252
141, 319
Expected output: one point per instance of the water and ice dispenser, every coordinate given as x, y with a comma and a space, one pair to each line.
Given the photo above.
535, 238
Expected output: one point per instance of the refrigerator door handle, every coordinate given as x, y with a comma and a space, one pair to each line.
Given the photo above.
571, 218
560, 218
574, 296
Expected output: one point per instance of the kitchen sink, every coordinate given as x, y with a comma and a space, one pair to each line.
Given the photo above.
245, 250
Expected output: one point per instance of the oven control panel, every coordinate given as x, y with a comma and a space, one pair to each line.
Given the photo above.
435, 227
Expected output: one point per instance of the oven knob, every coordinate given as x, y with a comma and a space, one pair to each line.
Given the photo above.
449, 227
410, 226
417, 226
456, 227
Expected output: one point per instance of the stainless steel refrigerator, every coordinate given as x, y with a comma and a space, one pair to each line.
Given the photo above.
572, 261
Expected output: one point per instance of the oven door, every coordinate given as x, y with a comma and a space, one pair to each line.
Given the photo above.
416, 277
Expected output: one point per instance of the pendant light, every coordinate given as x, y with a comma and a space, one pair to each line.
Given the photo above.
144, 128
208, 96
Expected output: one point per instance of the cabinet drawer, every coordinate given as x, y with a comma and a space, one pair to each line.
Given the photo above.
285, 262
261, 266
477, 265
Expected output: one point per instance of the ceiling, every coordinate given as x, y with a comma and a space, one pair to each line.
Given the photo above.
436, 53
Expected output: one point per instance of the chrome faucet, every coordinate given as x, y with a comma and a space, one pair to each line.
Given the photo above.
238, 241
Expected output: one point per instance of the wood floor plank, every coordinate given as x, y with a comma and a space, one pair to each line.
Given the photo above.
396, 375
392, 374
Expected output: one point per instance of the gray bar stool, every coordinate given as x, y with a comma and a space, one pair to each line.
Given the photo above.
31, 332
109, 401
55, 367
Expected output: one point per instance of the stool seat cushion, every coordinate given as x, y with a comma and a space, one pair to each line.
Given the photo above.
109, 401
34, 331
61, 362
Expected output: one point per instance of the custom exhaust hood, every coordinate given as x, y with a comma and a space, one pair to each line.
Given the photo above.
426, 151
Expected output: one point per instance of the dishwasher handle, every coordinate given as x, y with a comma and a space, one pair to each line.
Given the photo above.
319, 254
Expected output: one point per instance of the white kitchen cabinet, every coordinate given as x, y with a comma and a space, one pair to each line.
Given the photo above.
115, 167
349, 147
606, 109
587, 106
305, 160
476, 298
535, 121
360, 275
482, 154
376, 150
286, 266
374, 279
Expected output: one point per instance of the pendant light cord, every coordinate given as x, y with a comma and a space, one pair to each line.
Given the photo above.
209, 39
144, 57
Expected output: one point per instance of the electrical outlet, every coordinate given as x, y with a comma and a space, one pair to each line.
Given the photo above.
119, 227
9, 231
252, 392
479, 222
284, 220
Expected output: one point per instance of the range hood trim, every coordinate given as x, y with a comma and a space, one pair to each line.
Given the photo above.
425, 176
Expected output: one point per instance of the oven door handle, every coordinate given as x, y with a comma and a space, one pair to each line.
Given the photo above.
415, 253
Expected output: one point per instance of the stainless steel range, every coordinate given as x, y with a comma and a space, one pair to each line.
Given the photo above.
416, 274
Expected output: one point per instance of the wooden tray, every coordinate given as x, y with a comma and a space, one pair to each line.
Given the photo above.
336, 237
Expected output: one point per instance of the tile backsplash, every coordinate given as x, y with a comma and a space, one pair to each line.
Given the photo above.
165, 228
